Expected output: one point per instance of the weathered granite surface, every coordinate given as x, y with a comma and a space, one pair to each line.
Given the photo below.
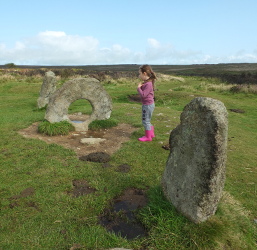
195, 170
79, 88
48, 87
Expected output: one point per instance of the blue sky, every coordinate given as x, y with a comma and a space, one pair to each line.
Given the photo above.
93, 32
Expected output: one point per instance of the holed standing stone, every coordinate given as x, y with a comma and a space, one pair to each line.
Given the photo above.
79, 88
194, 176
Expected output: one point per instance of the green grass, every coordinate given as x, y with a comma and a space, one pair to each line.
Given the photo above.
53, 219
103, 124
80, 105
55, 128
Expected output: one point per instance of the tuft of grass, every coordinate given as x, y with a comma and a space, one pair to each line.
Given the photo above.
102, 124
56, 128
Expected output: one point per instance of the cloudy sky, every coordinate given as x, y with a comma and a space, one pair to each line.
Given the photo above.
93, 32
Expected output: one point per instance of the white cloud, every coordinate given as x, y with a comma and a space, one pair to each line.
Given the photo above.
59, 48
246, 57
154, 43
59, 40
2, 47
168, 54
19, 46
52, 34
115, 54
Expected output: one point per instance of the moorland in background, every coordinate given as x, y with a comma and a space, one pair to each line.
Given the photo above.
234, 73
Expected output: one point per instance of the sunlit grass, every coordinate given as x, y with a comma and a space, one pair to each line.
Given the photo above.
53, 219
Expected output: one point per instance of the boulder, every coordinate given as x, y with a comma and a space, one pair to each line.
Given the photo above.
194, 176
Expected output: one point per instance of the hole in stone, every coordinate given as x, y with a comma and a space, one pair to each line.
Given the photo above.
121, 217
80, 110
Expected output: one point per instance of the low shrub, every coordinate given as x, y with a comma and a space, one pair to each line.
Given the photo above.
56, 128
10, 65
236, 89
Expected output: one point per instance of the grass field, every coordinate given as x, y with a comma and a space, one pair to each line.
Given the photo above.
38, 212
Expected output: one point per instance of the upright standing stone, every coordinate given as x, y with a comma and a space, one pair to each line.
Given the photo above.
195, 170
47, 89
80, 88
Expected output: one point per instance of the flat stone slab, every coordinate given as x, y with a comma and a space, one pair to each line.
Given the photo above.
92, 141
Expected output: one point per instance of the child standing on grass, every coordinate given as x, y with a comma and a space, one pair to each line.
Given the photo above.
146, 92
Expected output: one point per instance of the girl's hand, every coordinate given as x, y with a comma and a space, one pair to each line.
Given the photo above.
140, 85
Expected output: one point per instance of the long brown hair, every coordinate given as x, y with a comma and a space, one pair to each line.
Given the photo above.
149, 72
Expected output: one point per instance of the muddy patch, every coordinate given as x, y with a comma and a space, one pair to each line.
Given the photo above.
25, 193
237, 111
123, 168
134, 98
81, 187
107, 165
96, 157
17, 200
114, 138
166, 146
121, 217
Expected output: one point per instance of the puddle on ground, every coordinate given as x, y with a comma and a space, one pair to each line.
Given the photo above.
121, 219
77, 121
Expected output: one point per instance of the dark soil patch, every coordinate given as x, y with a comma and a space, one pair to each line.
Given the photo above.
17, 201
106, 165
124, 168
96, 157
81, 187
237, 110
33, 205
77, 246
121, 217
166, 146
14, 204
134, 98
25, 193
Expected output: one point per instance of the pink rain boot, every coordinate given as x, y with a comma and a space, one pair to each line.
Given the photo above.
152, 130
147, 136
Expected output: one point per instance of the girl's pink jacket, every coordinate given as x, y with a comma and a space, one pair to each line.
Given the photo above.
146, 93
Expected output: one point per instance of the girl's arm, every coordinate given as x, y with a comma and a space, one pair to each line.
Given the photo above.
146, 89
